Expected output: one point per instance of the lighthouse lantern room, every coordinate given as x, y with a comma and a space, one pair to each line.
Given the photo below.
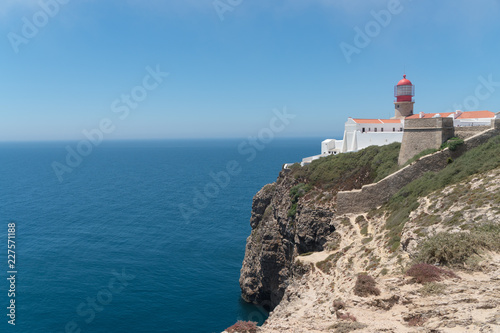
404, 92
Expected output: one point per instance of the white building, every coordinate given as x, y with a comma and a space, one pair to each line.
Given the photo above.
362, 133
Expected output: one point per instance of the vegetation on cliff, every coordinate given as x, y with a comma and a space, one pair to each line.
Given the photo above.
350, 170
462, 248
296, 193
452, 143
478, 160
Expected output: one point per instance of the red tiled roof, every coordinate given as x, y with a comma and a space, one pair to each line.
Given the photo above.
477, 114
377, 121
463, 115
429, 115
391, 121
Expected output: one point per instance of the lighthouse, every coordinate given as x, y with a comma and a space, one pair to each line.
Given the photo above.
404, 92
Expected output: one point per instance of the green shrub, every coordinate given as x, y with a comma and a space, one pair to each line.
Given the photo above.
346, 326
374, 213
329, 262
364, 230
296, 193
350, 170
360, 219
366, 240
299, 191
457, 248
452, 144
433, 288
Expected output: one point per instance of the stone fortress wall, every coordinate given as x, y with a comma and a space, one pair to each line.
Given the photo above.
422, 134
374, 195
468, 131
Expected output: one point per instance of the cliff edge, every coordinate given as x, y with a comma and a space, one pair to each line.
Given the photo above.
295, 214
276, 239
303, 260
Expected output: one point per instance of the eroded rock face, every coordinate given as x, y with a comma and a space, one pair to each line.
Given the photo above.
313, 229
276, 239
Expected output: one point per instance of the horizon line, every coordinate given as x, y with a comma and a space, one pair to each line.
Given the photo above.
159, 139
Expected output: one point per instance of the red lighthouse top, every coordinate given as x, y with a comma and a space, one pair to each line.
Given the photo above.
404, 81
404, 90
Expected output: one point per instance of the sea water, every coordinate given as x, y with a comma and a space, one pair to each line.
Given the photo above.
140, 236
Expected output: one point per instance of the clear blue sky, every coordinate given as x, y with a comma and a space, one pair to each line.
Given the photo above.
226, 76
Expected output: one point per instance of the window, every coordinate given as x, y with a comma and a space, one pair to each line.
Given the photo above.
363, 130
369, 129
394, 129
382, 129
375, 129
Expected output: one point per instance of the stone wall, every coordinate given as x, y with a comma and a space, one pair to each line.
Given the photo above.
468, 131
374, 195
422, 134
403, 109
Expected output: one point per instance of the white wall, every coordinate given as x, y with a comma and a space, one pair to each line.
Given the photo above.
472, 122
331, 146
380, 138
374, 134
351, 126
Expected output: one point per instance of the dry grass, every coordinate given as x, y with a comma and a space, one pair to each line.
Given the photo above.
346, 326
457, 248
432, 288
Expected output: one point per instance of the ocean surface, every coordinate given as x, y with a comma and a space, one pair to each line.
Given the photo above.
141, 236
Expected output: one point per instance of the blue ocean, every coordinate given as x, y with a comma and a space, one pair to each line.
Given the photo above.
140, 236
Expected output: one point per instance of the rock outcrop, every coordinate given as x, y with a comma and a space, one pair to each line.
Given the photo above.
276, 239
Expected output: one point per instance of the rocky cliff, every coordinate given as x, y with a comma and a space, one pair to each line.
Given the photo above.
277, 238
303, 259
